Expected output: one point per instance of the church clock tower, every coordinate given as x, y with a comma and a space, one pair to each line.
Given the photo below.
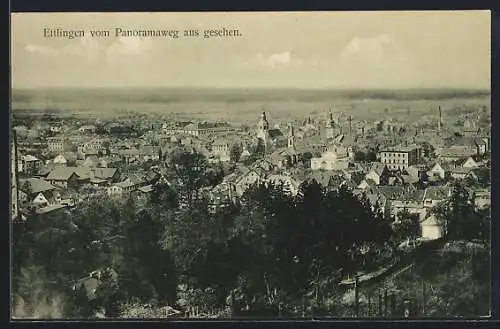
263, 129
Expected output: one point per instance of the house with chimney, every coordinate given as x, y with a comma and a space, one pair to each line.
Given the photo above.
64, 177
60, 160
434, 195
404, 197
461, 173
431, 228
468, 162
29, 164
455, 152
436, 172
378, 173
37, 193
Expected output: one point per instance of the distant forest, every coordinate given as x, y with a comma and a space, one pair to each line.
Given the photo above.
176, 95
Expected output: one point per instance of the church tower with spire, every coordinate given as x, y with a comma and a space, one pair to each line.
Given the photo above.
263, 129
330, 127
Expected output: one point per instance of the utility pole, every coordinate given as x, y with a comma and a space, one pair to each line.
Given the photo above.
369, 302
385, 302
423, 297
379, 303
440, 118
473, 267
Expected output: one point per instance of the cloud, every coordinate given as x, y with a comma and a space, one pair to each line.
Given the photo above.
85, 47
286, 58
370, 50
42, 50
378, 61
129, 46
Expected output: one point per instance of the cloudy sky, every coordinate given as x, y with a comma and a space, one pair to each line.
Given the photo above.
317, 50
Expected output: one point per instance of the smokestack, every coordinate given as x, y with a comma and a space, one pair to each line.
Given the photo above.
439, 122
350, 124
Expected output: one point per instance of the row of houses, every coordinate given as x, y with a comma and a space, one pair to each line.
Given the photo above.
64, 186
370, 183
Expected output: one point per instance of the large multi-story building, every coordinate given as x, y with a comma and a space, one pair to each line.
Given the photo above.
400, 157
55, 144
199, 129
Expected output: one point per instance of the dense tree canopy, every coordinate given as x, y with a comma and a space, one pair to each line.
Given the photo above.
268, 253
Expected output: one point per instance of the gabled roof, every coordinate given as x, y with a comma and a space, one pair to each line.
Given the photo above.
243, 169
457, 151
461, 162
29, 158
408, 148
50, 208
146, 189
103, 173
378, 168
91, 159
415, 195
434, 165
46, 169
462, 170
396, 192
61, 173
220, 142
37, 185
280, 178
151, 176
437, 192
60, 157
133, 179
430, 220
366, 183
82, 172
192, 126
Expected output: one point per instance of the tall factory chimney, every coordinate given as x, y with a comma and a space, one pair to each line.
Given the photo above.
440, 119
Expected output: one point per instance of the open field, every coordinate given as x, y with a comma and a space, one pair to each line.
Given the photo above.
241, 106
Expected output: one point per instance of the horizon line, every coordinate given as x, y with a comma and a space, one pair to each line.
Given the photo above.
484, 89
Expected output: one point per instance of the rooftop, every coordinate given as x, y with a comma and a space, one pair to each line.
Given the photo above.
29, 158
408, 148
37, 185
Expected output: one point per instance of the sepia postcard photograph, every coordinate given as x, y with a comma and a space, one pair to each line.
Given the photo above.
250, 165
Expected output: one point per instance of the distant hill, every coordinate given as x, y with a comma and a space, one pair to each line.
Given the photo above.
176, 95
